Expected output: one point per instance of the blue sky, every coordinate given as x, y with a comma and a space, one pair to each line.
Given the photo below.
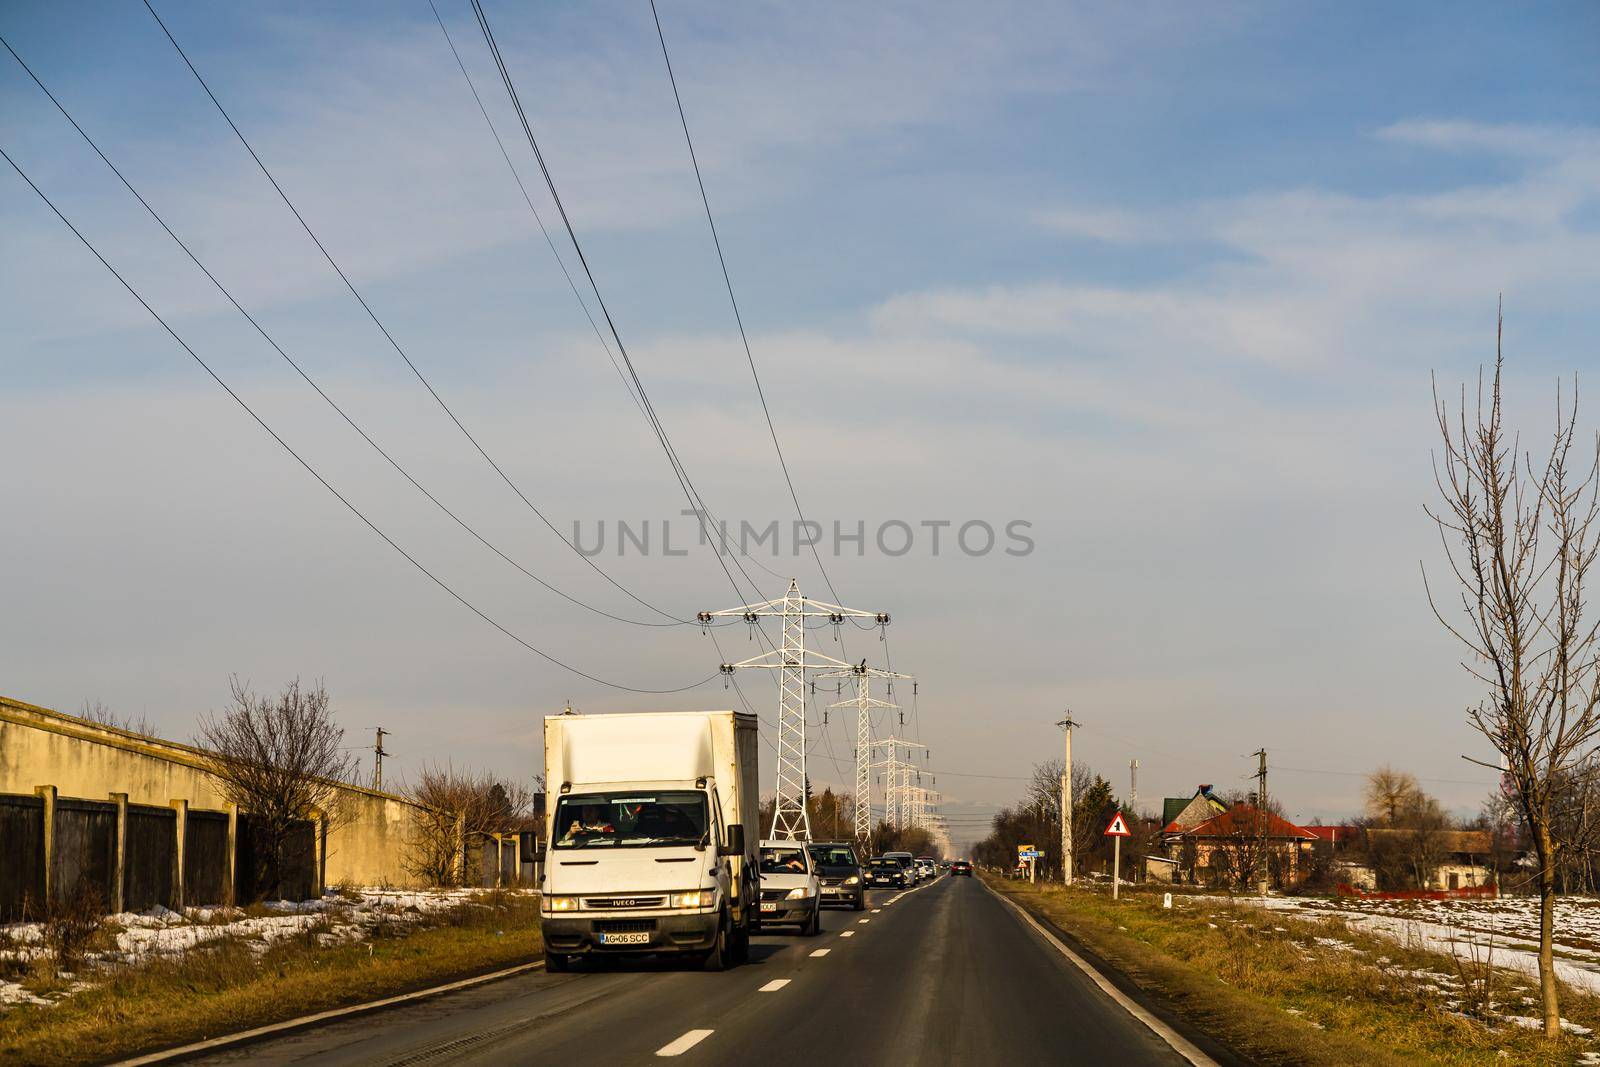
1167, 282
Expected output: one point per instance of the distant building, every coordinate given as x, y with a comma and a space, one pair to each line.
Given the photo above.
1185, 812
1214, 849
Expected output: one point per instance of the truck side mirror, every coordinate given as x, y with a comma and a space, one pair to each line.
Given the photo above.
733, 840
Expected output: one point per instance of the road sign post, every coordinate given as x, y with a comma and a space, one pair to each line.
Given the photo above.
1116, 831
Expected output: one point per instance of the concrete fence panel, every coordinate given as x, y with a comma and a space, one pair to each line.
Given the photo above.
21, 856
205, 859
84, 858
150, 854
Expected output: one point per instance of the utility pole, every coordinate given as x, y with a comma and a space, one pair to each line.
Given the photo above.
864, 703
1261, 819
791, 660
377, 759
1133, 786
1066, 802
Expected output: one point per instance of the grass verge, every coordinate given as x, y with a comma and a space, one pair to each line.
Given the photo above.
235, 985
1279, 989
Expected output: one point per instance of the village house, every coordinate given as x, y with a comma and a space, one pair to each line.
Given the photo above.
1206, 841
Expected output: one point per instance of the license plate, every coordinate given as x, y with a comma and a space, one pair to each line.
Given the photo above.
832, 892
769, 906
625, 939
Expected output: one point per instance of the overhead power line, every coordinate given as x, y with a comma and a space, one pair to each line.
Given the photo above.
680, 472
385, 330
738, 318
301, 370
357, 512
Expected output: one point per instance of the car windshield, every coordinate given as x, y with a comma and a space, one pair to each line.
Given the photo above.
884, 864
783, 861
834, 856
630, 820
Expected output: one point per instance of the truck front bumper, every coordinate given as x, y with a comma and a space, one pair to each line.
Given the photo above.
672, 932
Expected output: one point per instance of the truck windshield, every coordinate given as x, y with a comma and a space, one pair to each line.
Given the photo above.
630, 820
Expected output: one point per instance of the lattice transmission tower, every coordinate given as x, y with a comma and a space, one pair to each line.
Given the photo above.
791, 660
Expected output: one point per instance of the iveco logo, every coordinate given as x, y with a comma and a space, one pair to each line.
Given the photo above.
623, 902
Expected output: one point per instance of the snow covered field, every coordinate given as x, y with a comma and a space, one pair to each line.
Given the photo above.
1503, 932
340, 916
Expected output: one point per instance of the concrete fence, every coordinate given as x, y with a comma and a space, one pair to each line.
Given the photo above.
116, 791
508, 859
136, 856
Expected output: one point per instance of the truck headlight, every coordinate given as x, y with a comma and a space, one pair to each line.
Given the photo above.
560, 903
799, 892
853, 880
695, 898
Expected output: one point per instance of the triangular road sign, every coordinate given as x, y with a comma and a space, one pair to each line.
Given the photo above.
1118, 827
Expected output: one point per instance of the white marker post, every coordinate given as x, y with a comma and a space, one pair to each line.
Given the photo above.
1116, 831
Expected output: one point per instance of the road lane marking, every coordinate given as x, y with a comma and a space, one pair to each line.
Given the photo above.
820, 952
848, 933
863, 920
874, 911
684, 1043
775, 985
304, 1021
1181, 1045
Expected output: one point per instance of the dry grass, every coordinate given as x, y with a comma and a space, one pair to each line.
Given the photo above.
233, 986
1265, 985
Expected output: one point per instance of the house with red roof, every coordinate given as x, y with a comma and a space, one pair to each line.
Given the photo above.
1236, 847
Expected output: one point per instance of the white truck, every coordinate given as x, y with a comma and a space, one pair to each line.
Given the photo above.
652, 836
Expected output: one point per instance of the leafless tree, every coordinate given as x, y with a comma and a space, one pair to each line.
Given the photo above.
281, 760
460, 808
1390, 793
97, 712
1404, 830
1520, 537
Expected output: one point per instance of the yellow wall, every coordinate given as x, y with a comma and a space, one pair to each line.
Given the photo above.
366, 843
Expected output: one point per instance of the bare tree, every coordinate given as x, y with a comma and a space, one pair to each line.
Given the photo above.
1520, 539
1389, 794
1405, 830
281, 760
97, 712
460, 808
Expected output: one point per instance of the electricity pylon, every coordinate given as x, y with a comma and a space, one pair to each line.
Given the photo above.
791, 660
897, 781
864, 703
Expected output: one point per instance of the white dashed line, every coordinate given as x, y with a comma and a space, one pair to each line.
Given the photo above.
775, 985
684, 1043
874, 911
818, 952
863, 920
848, 933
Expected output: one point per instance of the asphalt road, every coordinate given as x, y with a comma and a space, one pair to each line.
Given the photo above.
944, 973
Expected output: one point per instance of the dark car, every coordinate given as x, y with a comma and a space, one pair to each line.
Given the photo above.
843, 880
886, 873
960, 867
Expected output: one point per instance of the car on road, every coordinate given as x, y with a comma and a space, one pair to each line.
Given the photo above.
928, 868
791, 889
840, 870
885, 873
908, 863
960, 867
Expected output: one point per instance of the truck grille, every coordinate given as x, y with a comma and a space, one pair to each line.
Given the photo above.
624, 926
619, 903
774, 894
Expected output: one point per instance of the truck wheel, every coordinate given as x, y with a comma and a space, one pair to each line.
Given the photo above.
555, 963
719, 956
741, 945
